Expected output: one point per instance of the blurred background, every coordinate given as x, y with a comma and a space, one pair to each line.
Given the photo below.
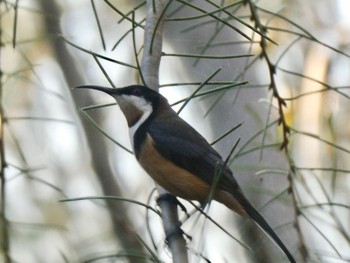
71, 189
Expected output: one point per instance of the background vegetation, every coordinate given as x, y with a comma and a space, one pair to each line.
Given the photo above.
272, 74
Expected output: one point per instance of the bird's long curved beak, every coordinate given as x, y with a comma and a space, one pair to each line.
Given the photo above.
109, 91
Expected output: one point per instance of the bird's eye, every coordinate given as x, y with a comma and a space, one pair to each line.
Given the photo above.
137, 92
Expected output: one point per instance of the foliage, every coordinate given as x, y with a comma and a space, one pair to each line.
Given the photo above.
269, 75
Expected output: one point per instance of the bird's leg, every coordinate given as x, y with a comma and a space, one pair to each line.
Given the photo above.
176, 230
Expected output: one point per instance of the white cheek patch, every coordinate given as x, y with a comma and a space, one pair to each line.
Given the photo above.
143, 106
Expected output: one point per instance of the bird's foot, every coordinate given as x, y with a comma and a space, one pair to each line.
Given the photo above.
172, 198
176, 232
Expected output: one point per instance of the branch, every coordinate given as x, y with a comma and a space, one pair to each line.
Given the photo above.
272, 71
282, 119
149, 72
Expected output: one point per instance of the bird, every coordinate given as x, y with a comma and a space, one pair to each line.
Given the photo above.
177, 157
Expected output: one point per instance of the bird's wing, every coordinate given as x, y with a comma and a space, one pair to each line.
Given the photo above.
177, 141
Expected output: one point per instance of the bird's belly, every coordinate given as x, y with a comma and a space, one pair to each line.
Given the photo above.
174, 179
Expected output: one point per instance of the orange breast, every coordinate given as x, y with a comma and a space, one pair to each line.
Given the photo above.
171, 177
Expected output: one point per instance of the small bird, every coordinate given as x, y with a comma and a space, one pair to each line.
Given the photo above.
177, 157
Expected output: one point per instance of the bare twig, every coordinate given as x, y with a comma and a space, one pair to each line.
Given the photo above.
281, 104
272, 71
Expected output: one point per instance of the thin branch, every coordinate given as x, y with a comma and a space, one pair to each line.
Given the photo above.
150, 73
15, 23
197, 90
207, 56
153, 43
272, 71
4, 235
115, 198
286, 129
98, 24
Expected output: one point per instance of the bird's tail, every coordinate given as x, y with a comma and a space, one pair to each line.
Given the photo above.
260, 221
237, 202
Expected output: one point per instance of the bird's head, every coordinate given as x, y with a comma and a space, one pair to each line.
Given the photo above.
136, 102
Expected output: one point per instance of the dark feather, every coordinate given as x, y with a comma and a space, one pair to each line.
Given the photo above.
177, 141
